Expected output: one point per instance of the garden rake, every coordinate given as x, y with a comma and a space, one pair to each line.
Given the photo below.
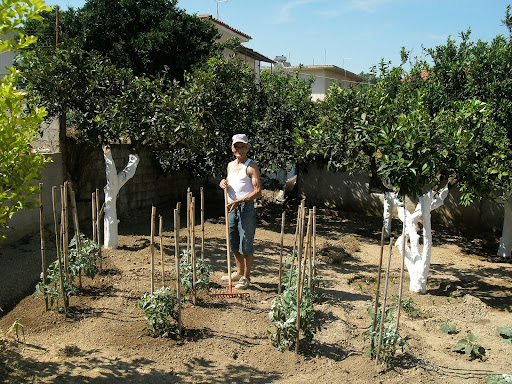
230, 292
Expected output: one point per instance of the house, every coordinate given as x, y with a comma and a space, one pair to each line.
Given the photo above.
251, 57
324, 76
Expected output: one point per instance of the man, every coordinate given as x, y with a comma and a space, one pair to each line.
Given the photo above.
243, 187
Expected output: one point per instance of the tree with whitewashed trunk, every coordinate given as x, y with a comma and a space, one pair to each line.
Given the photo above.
463, 70
115, 181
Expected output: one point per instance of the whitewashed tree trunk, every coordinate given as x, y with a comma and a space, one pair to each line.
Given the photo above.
114, 183
389, 204
505, 247
417, 260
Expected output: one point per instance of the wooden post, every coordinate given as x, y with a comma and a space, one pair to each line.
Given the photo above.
283, 215
152, 247
161, 249
299, 259
43, 254
377, 293
64, 236
297, 232
178, 209
202, 224
312, 258
93, 216
58, 244
188, 222
177, 263
383, 310
193, 247
77, 229
98, 227
402, 267
307, 253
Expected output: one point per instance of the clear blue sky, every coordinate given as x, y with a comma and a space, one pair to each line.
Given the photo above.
353, 33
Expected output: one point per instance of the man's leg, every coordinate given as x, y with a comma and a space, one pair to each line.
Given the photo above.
240, 263
249, 259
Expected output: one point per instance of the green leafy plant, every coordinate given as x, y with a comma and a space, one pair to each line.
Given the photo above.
499, 379
449, 329
203, 271
160, 312
84, 260
506, 333
470, 348
283, 316
391, 339
409, 306
16, 328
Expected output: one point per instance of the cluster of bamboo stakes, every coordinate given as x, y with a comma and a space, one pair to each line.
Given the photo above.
305, 252
61, 229
384, 300
190, 246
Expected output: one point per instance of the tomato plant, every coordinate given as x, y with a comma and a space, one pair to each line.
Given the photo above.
203, 271
160, 312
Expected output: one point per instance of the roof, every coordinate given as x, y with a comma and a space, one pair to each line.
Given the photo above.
243, 50
217, 21
335, 68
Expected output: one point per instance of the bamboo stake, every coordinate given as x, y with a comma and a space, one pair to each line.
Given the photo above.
283, 215
193, 247
202, 223
402, 267
377, 294
98, 227
93, 216
58, 246
178, 209
63, 237
307, 252
152, 247
188, 223
299, 259
77, 229
43, 254
312, 259
177, 264
297, 233
161, 249
383, 310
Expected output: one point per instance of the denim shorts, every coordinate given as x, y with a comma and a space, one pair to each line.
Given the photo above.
242, 226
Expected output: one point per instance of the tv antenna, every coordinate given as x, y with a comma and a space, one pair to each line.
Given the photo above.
219, 1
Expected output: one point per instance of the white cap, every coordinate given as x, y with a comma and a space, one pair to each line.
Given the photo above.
240, 138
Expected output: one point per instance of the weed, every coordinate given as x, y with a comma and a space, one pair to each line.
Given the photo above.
409, 306
470, 348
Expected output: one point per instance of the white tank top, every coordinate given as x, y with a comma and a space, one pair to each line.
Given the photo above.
239, 184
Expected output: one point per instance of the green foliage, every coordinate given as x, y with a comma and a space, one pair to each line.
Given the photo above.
86, 260
19, 166
16, 329
409, 306
283, 316
470, 348
203, 271
391, 339
499, 379
449, 329
506, 334
160, 312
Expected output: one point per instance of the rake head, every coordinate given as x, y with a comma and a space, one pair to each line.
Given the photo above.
230, 293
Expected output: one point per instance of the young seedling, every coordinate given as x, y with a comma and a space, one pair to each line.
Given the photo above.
16, 328
506, 333
470, 348
449, 329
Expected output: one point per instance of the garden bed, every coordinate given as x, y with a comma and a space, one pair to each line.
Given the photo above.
225, 340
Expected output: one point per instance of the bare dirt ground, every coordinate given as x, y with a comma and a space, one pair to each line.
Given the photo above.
226, 341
